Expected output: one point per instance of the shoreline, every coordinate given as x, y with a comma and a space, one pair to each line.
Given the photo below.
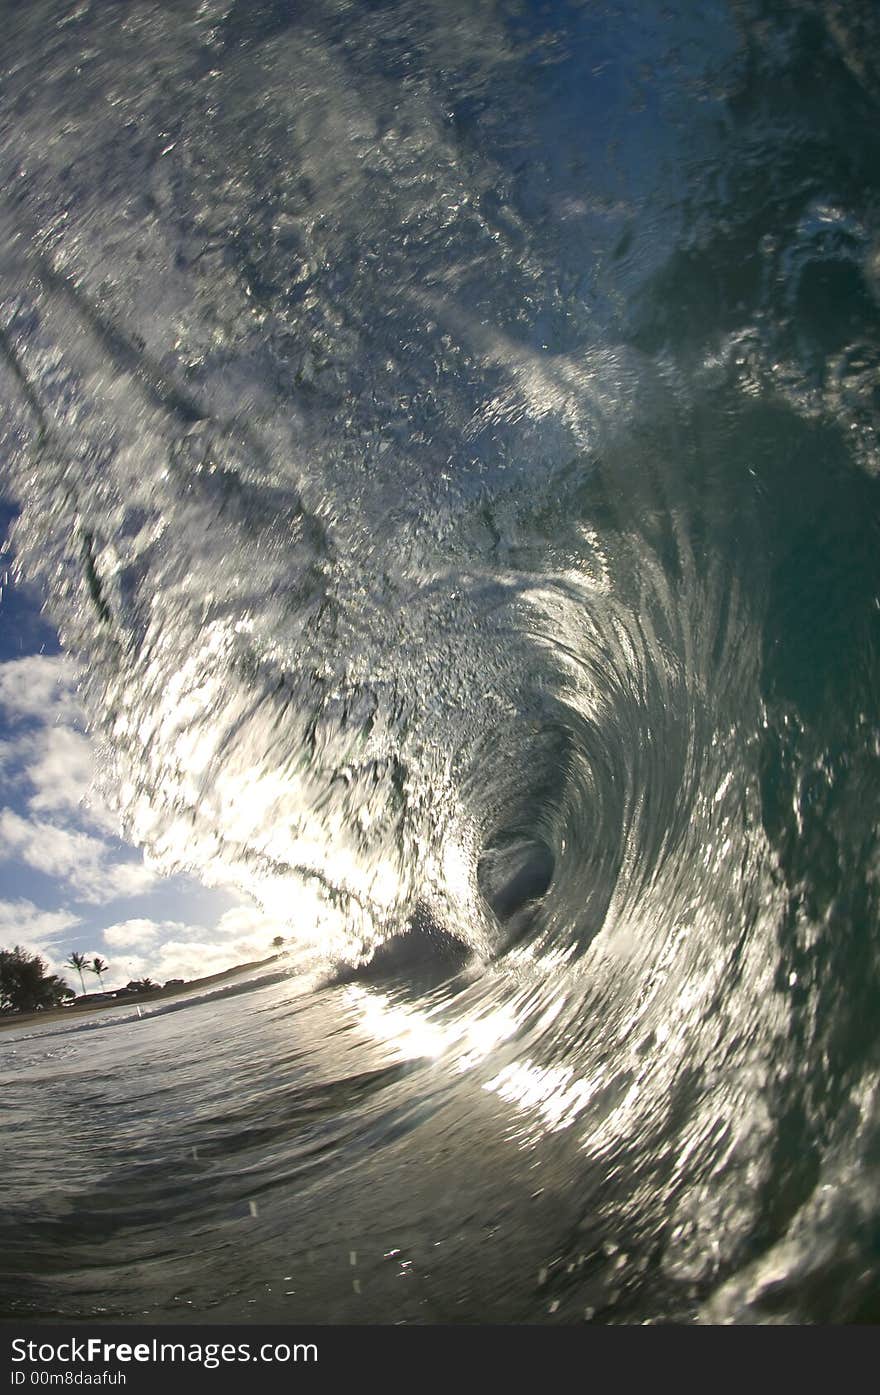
61, 1014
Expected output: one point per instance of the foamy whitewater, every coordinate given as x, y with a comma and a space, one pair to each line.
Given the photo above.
444, 433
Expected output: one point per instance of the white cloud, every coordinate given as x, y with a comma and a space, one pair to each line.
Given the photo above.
50, 752
40, 686
61, 769
131, 934
61, 829
171, 949
22, 920
247, 923
196, 958
86, 863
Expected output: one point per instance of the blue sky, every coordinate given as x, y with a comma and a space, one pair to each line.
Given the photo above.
67, 880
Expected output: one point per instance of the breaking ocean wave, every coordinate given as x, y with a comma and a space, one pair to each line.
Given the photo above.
445, 437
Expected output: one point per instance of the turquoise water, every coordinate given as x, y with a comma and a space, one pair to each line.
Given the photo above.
447, 434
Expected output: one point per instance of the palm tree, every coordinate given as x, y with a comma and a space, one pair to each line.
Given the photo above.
99, 966
77, 961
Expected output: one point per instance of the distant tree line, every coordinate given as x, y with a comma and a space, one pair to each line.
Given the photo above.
26, 984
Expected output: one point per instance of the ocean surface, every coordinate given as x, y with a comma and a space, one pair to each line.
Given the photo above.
445, 432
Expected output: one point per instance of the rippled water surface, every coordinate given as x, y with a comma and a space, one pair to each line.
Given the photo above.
446, 434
